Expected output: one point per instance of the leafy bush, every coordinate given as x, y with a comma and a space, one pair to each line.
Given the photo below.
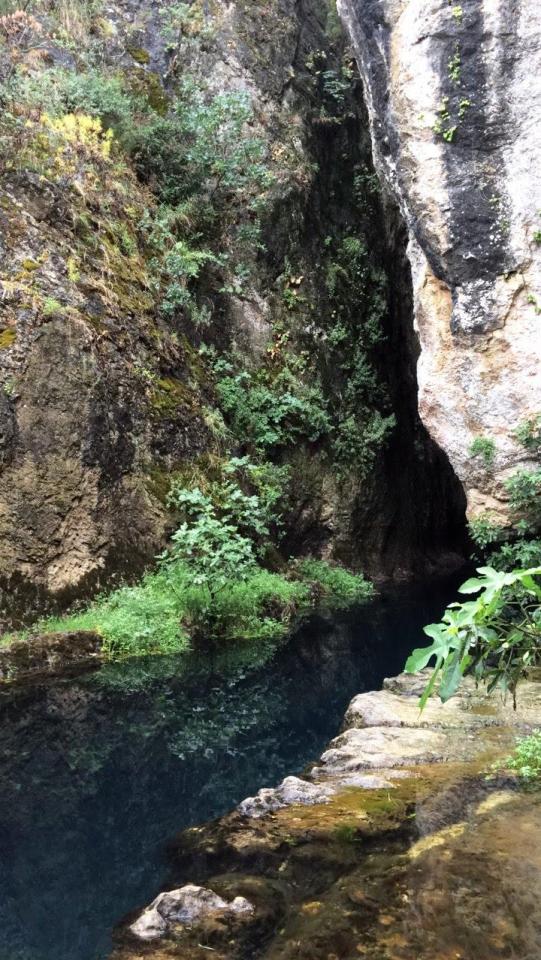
272, 412
357, 443
260, 606
485, 449
133, 621
338, 587
202, 151
168, 607
178, 268
484, 530
210, 583
524, 489
92, 92
528, 434
497, 636
211, 178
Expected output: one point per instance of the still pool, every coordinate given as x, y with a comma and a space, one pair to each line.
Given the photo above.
97, 772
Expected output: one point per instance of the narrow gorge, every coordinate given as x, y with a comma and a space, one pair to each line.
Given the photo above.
270, 435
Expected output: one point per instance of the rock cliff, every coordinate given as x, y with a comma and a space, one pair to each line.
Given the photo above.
454, 98
105, 396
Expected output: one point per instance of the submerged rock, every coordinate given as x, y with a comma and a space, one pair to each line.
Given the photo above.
188, 905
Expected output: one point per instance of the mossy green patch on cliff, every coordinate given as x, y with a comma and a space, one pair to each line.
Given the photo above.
147, 87
30, 265
139, 54
7, 339
168, 395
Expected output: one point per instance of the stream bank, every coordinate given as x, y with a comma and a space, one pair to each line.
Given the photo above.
392, 847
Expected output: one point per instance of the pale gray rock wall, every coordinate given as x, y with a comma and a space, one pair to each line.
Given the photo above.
454, 96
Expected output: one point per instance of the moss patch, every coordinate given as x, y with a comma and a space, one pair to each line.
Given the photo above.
7, 339
169, 395
139, 54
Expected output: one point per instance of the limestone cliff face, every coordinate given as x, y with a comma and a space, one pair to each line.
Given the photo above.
103, 398
454, 96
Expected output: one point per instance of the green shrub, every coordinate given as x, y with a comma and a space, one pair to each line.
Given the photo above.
202, 151
484, 530
93, 92
356, 443
169, 607
485, 449
496, 636
528, 434
273, 412
261, 606
210, 584
337, 586
520, 555
524, 489
133, 621
526, 758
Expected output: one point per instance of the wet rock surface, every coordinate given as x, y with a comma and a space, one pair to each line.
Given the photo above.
408, 825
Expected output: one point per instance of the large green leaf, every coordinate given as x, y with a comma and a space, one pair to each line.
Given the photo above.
440, 647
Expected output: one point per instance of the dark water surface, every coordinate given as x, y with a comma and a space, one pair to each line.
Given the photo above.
97, 773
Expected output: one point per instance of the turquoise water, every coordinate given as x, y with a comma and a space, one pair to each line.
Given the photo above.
97, 773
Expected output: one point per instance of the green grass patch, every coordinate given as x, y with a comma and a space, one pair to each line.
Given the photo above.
165, 611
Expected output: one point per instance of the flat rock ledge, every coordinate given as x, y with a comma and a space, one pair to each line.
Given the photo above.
384, 743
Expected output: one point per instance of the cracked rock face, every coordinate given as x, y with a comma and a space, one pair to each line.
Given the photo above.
454, 95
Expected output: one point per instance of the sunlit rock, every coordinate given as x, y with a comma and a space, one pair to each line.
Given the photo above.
292, 790
188, 905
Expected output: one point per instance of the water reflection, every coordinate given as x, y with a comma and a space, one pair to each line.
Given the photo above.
97, 773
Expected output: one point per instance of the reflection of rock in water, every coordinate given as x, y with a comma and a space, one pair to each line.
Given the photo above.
434, 862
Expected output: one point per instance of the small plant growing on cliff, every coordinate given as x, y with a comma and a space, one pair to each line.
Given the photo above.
484, 530
524, 489
496, 636
485, 449
454, 66
528, 434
